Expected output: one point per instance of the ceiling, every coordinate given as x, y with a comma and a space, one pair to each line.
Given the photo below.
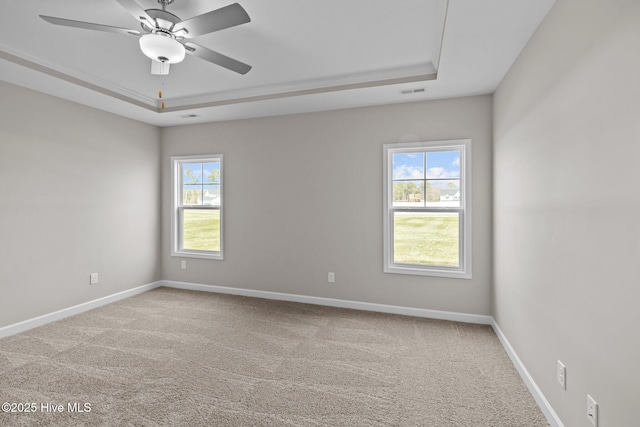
305, 55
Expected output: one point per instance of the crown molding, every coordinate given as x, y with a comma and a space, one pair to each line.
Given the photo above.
411, 74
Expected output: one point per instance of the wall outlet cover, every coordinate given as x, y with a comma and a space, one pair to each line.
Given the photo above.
562, 375
592, 410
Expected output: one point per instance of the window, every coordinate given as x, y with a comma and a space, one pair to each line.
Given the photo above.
427, 208
197, 206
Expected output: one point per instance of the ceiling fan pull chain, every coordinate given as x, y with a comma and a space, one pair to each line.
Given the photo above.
160, 91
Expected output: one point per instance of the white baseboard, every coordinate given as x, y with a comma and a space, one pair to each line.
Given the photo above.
16, 328
356, 305
535, 391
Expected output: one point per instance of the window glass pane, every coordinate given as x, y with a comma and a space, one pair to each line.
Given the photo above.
211, 172
201, 229
211, 195
192, 173
408, 193
192, 195
426, 238
443, 164
443, 193
408, 166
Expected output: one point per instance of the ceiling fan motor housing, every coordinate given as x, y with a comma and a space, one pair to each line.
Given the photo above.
163, 20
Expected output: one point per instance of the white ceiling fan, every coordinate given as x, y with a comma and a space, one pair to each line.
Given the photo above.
165, 38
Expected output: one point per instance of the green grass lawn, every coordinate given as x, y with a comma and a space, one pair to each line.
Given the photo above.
201, 229
420, 238
426, 239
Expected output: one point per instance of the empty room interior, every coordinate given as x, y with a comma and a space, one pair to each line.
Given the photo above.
358, 213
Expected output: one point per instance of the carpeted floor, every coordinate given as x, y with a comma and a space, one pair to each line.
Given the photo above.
174, 357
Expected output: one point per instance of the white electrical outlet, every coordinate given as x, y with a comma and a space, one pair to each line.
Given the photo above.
562, 375
592, 410
184, 264
332, 277
93, 279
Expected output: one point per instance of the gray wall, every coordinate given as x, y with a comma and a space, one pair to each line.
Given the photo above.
304, 197
567, 203
79, 193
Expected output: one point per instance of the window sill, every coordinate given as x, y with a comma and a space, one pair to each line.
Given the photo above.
195, 254
433, 272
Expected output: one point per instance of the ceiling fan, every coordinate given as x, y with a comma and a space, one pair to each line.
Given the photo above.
165, 37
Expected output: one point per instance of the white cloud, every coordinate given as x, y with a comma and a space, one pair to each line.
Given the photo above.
438, 172
415, 172
408, 172
456, 162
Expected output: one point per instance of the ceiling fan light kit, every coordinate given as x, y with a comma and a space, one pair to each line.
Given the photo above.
162, 48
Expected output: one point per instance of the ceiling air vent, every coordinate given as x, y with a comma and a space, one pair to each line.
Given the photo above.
416, 90
189, 116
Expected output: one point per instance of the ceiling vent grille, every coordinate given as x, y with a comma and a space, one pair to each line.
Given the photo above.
411, 91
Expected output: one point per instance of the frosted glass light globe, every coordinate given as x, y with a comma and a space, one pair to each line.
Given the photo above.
162, 48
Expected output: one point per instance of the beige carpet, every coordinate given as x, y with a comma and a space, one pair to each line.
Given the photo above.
173, 357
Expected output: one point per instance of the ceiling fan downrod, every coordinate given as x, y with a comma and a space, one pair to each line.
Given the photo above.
165, 3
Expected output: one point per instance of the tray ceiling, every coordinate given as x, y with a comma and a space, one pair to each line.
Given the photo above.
306, 55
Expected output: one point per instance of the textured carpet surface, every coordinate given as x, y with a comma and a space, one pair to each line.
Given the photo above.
174, 357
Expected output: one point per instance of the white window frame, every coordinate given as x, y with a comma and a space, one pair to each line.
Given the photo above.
465, 241
177, 206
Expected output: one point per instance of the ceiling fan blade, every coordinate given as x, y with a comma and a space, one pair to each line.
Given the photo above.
219, 19
89, 26
217, 58
137, 12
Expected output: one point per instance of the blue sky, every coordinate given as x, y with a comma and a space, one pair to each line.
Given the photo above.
439, 164
198, 171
